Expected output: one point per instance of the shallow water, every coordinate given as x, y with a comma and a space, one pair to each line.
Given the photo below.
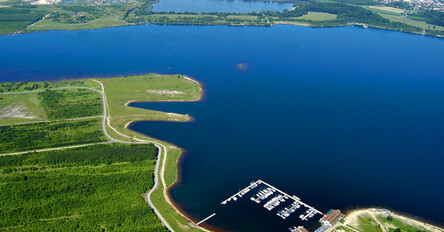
341, 117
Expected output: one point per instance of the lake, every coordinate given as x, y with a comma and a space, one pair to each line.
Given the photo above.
200, 6
340, 117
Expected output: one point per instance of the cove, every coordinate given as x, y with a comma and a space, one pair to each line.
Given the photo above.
341, 117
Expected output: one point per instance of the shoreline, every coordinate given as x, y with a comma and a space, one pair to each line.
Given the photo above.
277, 23
351, 216
166, 192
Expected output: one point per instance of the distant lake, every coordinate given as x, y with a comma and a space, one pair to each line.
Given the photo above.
219, 6
340, 117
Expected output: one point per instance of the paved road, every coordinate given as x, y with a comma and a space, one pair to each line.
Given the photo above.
160, 147
105, 122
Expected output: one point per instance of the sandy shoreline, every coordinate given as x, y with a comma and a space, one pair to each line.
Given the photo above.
352, 219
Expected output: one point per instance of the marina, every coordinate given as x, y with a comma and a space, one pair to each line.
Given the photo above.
267, 190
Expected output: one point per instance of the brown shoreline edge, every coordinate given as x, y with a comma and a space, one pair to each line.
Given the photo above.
183, 152
167, 191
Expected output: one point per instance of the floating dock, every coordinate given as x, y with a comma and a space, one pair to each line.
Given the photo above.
241, 193
282, 196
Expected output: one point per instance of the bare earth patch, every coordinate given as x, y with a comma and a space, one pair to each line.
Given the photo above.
171, 92
18, 110
352, 219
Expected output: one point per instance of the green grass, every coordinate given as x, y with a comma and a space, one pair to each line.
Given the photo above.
135, 88
121, 90
386, 10
101, 22
24, 86
35, 105
366, 223
412, 22
98, 188
318, 16
175, 220
395, 223
30, 136
9, 27
344, 228
30, 104
171, 166
71, 103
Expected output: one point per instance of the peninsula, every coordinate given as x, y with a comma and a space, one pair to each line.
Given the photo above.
66, 148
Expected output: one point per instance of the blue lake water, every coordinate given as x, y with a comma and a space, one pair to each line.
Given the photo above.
219, 6
341, 117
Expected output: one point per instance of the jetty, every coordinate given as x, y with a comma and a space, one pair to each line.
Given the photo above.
275, 201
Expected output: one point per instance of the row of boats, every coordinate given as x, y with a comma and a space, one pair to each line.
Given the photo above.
274, 202
263, 194
309, 214
241, 193
287, 211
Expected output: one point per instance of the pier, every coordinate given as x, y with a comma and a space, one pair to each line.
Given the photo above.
212, 215
295, 198
241, 192
275, 201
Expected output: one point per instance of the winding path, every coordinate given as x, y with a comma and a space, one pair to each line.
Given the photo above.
106, 122
159, 146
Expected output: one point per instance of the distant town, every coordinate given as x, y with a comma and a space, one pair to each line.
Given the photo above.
416, 4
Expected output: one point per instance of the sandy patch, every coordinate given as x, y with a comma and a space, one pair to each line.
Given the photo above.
170, 92
353, 220
46, 2
18, 110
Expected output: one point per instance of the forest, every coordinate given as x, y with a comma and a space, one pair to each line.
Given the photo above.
22, 137
71, 103
430, 16
94, 188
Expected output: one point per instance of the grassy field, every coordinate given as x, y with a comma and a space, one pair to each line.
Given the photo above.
102, 22
119, 91
30, 136
376, 220
318, 16
387, 9
98, 188
412, 22
367, 224
71, 103
122, 90
176, 221
24, 86
18, 108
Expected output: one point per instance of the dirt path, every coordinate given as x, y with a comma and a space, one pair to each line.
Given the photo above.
106, 122
18, 32
53, 149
